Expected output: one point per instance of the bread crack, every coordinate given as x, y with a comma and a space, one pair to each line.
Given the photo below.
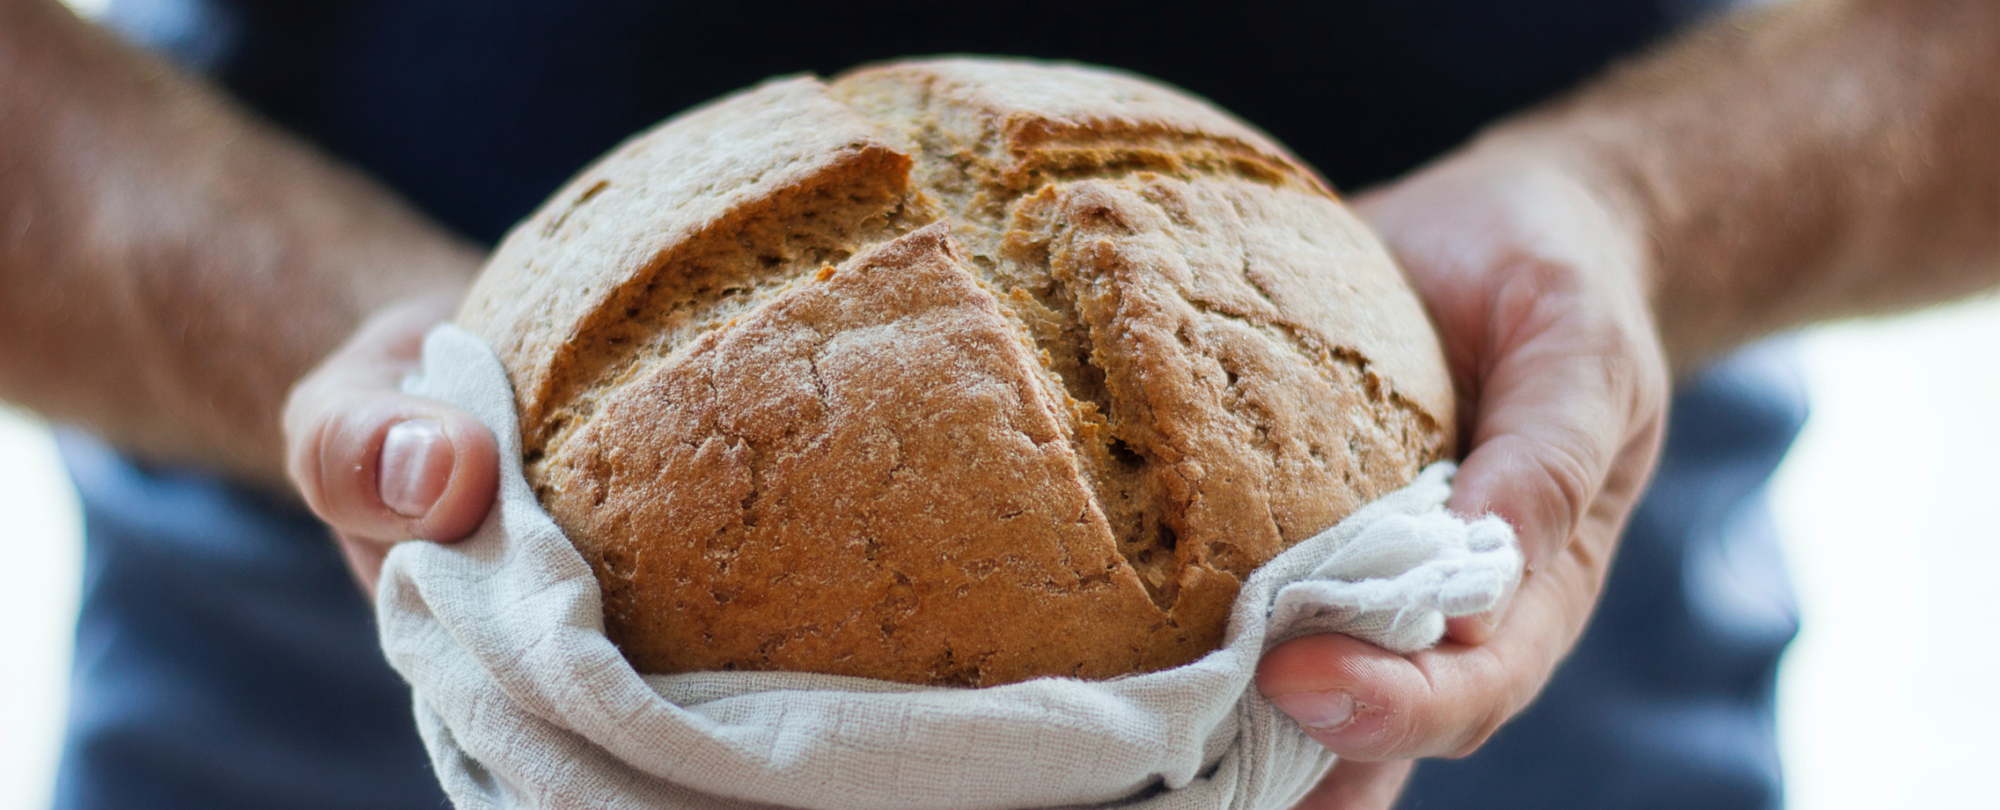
728, 269
1405, 414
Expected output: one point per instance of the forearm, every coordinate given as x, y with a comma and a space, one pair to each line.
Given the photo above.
170, 266
1818, 159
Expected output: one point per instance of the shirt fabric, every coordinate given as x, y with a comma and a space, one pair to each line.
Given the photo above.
225, 659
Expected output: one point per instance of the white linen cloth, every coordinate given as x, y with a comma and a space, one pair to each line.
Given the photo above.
523, 702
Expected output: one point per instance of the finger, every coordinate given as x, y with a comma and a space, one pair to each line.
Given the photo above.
379, 464
384, 465
1365, 703
1357, 785
1569, 400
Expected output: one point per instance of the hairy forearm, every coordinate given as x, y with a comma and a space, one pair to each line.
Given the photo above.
168, 265
1818, 159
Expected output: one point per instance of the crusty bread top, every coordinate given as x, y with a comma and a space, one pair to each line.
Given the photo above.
555, 297
1058, 119
958, 371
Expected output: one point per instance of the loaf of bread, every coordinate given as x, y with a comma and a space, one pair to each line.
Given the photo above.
952, 372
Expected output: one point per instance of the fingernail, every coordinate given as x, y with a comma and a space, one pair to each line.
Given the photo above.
416, 465
1498, 614
1488, 622
1317, 711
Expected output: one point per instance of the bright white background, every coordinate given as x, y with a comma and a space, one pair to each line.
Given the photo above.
1888, 698
1887, 503
41, 562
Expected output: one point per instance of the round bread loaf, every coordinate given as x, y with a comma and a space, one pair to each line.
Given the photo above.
952, 372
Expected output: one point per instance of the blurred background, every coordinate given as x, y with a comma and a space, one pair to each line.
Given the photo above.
1887, 504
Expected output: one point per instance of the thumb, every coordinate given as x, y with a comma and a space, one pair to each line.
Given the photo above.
379, 465
382, 465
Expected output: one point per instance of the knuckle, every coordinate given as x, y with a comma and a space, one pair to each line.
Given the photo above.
1476, 735
1404, 733
349, 443
342, 465
1634, 368
302, 462
1529, 300
1494, 694
1427, 722
1569, 480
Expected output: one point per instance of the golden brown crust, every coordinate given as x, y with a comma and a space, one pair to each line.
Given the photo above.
873, 457
1026, 122
659, 222
952, 372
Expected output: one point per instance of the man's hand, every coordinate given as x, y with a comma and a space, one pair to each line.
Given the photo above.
1537, 281
1784, 165
381, 466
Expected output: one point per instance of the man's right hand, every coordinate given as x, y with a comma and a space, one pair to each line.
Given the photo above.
381, 466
